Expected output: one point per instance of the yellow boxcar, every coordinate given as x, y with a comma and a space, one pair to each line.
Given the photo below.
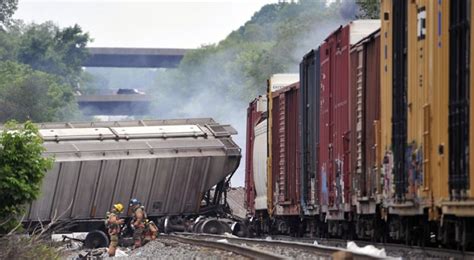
457, 198
426, 138
405, 60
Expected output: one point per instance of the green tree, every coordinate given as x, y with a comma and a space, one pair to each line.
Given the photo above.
27, 94
41, 65
22, 168
46, 47
7, 9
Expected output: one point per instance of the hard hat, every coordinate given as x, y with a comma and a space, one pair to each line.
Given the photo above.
134, 202
118, 207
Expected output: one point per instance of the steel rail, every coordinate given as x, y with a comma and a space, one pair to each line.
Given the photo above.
439, 252
320, 250
237, 249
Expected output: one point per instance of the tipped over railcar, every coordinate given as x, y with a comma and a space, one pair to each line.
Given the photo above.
174, 167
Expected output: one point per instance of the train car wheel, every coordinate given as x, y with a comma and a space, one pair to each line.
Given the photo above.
96, 239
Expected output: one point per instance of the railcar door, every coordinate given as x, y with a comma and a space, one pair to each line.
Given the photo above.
399, 97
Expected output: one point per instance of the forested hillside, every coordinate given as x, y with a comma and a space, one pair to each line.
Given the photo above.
223, 77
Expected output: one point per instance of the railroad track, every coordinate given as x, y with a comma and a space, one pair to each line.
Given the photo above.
393, 250
237, 249
266, 249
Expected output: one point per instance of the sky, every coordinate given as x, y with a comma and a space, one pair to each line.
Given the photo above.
145, 23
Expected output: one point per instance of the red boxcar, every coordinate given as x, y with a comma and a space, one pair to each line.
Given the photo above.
255, 114
285, 150
365, 102
335, 116
365, 87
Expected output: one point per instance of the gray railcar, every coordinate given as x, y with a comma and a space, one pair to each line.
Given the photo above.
169, 165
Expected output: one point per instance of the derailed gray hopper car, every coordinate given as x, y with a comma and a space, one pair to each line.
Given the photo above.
169, 165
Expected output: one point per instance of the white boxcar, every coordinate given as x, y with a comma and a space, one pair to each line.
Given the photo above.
167, 164
260, 165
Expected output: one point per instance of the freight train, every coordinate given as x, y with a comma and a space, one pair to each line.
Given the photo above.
373, 140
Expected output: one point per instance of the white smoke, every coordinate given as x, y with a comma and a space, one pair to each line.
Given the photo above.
203, 98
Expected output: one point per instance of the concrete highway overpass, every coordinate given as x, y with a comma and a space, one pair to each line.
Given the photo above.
126, 58
114, 104
134, 57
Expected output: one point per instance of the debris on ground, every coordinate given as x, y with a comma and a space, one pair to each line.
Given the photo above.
368, 250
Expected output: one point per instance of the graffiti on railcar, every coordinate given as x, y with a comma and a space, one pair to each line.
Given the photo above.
324, 186
415, 169
387, 172
339, 182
